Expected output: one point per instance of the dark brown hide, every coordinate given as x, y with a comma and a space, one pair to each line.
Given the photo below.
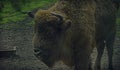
59, 40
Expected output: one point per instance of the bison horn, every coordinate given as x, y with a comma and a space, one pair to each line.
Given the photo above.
57, 15
30, 14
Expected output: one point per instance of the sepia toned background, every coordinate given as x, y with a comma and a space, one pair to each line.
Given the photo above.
16, 32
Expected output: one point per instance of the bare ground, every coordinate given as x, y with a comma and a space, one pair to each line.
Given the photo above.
20, 35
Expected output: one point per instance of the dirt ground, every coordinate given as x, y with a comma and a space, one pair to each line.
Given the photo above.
20, 36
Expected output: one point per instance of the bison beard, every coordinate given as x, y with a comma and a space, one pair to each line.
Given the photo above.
66, 32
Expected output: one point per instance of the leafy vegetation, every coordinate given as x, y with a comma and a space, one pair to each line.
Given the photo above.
12, 9
11, 12
118, 17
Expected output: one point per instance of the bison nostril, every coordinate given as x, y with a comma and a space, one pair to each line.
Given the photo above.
37, 51
44, 53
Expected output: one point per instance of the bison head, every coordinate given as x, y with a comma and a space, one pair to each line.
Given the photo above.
48, 32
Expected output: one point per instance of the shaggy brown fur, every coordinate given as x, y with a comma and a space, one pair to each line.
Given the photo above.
55, 40
105, 29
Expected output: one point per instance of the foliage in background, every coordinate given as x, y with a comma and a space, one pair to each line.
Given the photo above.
118, 17
11, 12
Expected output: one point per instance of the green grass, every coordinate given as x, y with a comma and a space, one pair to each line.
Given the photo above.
10, 15
118, 20
118, 24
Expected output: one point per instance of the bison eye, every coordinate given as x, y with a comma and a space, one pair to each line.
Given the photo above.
50, 24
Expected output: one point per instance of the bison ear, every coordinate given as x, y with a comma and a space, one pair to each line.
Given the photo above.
67, 24
31, 14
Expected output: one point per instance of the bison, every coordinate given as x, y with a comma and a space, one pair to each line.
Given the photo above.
105, 16
66, 32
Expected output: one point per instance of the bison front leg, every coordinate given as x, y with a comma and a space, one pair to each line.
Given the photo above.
109, 45
82, 57
110, 55
100, 49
